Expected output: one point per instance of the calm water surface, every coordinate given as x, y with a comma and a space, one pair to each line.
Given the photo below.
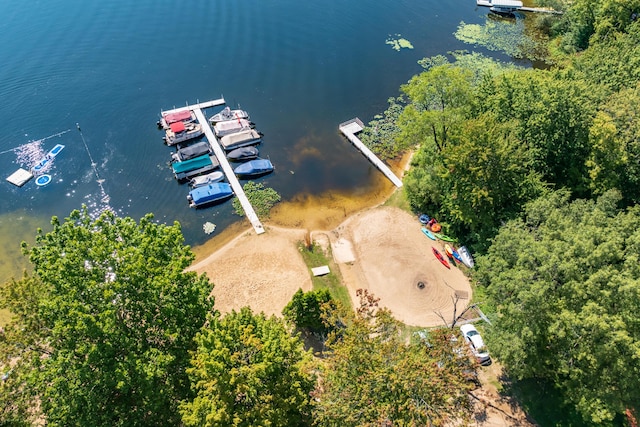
299, 68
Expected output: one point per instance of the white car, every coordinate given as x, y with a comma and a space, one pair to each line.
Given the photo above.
478, 348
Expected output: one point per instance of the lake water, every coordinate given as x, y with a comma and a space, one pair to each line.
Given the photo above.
299, 68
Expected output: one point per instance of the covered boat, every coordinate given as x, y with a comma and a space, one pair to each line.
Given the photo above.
243, 153
228, 114
180, 132
207, 194
181, 116
231, 126
240, 139
197, 166
202, 180
254, 168
192, 151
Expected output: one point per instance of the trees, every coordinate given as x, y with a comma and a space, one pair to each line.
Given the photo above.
373, 377
306, 308
615, 146
109, 318
566, 284
248, 371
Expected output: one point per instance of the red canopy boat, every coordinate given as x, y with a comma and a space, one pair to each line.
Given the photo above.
440, 257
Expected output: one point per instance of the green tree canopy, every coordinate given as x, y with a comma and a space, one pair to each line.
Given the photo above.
248, 371
102, 331
305, 310
372, 376
566, 284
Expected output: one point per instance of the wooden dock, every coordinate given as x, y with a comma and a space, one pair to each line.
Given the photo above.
226, 167
350, 129
200, 106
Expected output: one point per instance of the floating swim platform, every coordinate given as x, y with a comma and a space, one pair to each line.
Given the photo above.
47, 159
20, 177
43, 179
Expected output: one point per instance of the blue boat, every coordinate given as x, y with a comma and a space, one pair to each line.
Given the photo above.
208, 194
428, 233
255, 167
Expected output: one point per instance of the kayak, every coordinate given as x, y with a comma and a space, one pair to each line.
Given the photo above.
428, 234
443, 237
456, 255
440, 257
448, 250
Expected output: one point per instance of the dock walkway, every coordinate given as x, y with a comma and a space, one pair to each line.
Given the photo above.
226, 167
349, 129
200, 106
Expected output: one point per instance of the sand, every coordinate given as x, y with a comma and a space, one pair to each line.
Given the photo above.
380, 249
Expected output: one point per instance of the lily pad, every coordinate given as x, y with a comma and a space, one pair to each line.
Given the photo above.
397, 42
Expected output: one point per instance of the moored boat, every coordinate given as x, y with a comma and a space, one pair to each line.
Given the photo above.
253, 168
180, 132
231, 126
185, 116
192, 151
243, 153
240, 139
202, 180
440, 257
228, 114
208, 194
196, 166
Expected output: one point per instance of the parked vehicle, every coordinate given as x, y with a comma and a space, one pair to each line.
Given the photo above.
476, 343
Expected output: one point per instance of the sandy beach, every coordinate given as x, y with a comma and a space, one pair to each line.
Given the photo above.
380, 249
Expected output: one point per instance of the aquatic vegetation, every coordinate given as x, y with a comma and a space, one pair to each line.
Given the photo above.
381, 134
261, 198
502, 35
209, 227
398, 42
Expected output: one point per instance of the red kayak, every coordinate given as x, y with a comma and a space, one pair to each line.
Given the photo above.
440, 257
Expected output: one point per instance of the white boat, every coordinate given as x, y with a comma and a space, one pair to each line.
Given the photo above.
466, 257
202, 180
180, 132
240, 139
228, 114
231, 126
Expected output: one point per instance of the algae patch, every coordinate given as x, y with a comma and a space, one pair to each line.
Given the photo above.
397, 42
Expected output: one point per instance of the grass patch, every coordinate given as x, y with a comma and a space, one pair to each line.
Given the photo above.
314, 256
399, 200
5, 317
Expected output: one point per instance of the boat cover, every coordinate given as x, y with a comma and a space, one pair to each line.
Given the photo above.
193, 164
239, 139
177, 127
210, 193
192, 151
230, 126
254, 167
243, 153
177, 117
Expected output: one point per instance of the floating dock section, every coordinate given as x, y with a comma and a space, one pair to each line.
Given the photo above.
510, 6
350, 129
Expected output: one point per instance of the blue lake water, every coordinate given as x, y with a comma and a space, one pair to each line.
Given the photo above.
299, 68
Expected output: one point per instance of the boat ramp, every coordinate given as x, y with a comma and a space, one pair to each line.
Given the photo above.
222, 158
350, 128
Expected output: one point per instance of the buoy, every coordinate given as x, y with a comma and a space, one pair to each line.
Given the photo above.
43, 180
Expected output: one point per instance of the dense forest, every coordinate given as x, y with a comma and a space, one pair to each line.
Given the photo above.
539, 169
